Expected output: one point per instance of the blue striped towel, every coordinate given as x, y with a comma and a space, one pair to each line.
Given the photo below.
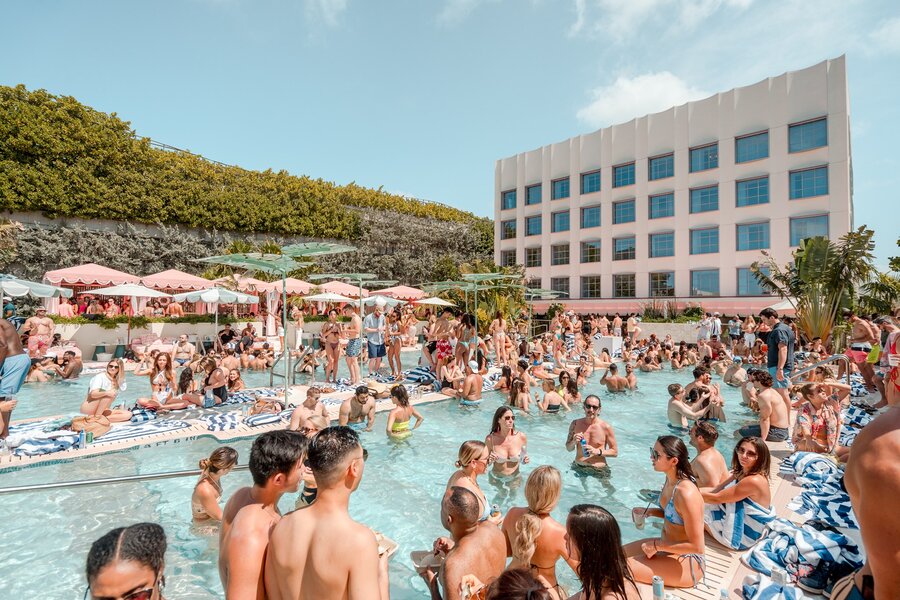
487, 385
858, 386
223, 421
570, 341
855, 416
809, 464
126, 431
142, 415
826, 503
761, 587
262, 419
421, 375
47, 444
737, 525
789, 546
383, 377
331, 401
847, 436
34, 426
249, 395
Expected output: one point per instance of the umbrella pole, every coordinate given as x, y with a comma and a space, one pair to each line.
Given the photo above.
215, 327
475, 292
361, 330
284, 352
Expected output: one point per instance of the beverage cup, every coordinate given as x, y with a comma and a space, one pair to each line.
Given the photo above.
639, 518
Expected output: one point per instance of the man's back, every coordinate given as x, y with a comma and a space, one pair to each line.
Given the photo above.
778, 416
481, 553
710, 468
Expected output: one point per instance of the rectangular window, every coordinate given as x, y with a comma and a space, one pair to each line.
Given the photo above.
508, 229
590, 217
560, 189
662, 284
533, 194
590, 182
590, 286
508, 200
705, 199
705, 241
705, 283
507, 258
623, 212
559, 254
809, 135
533, 284
661, 167
624, 248
662, 244
590, 251
751, 147
559, 221
560, 284
623, 286
807, 227
532, 257
662, 206
809, 182
623, 175
747, 284
752, 191
753, 236
704, 158
533, 225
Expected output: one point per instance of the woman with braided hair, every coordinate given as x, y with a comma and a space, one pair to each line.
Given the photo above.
128, 563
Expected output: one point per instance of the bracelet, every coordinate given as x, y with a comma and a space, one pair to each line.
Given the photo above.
655, 548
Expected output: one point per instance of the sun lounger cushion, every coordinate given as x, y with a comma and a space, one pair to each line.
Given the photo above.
262, 419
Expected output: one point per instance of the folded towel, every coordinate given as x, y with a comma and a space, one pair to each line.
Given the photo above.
142, 415
38, 447
847, 436
331, 401
855, 416
826, 504
737, 525
421, 375
262, 419
807, 464
41, 425
761, 587
127, 431
223, 421
789, 546
249, 395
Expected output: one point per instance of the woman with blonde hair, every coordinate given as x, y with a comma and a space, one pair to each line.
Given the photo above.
103, 390
534, 539
208, 491
472, 462
163, 386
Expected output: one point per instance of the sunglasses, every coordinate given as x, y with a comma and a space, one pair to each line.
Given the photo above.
509, 418
144, 594
112, 366
591, 407
654, 454
307, 430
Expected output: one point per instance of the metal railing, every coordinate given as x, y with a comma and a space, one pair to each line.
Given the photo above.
829, 360
108, 480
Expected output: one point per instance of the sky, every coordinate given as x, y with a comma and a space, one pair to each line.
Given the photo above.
423, 96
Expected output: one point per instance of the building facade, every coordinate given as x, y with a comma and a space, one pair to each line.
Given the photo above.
677, 205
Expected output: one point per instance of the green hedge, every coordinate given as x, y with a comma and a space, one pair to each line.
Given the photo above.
63, 158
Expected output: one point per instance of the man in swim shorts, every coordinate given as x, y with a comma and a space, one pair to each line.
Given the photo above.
356, 408
614, 382
183, 351
735, 375
774, 418
600, 441
354, 343
40, 331
13, 371
374, 324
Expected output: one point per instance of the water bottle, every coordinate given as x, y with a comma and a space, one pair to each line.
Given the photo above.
723, 594
4, 448
81, 439
584, 449
495, 510
659, 592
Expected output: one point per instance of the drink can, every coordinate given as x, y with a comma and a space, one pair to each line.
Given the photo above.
584, 450
89, 437
659, 592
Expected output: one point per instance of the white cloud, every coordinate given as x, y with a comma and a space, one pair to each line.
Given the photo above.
326, 11
628, 98
455, 11
886, 39
580, 13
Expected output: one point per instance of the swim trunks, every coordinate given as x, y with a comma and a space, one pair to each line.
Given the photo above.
444, 350
376, 350
13, 371
37, 343
354, 345
780, 384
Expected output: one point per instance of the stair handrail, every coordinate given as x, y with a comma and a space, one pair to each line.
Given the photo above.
830, 359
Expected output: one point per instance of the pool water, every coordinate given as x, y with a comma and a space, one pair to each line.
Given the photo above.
399, 495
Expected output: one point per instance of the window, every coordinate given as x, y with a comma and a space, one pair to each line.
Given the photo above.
752, 191
705, 283
560, 221
590, 251
623, 212
560, 189
623, 175
662, 244
560, 284
508, 200
751, 147
590, 182
507, 258
559, 254
533, 194
623, 286
705, 199
705, 241
809, 182
662, 205
532, 257
624, 248
533, 225
662, 284
753, 236
661, 167
704, 158
590, 217
806, 136
533, 284
807, 227
508, 229
590, 286
747, 284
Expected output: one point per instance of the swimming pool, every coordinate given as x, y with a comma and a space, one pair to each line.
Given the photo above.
399, 494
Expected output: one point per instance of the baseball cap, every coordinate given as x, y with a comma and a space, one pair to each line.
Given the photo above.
473, 365
738, 359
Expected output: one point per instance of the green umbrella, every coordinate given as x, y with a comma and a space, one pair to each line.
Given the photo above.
477, 278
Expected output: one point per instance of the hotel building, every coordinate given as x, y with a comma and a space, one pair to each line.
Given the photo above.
679, 204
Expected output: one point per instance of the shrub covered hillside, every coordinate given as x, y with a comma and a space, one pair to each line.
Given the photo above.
60, 157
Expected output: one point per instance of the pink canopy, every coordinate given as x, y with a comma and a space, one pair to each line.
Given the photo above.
294, 286
344, 289
249, 285
89, 274
173, 279
401, 292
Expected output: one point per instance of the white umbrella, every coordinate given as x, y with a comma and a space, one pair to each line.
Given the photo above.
785, 304
371, 300
135, 291
215, 296
13, 286
328, 297
433, 302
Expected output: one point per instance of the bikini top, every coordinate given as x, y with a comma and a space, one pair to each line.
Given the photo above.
671, 515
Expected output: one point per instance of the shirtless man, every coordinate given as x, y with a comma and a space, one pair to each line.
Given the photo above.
276, 464
183, 351
709, 464
748, 391
174, 309
230, 361
630, 377
439, 347
471, 387
614, 382
603, 325
648, 366
598, 435
13, 371
680, 413
773, 416
354, 343
630, 326
735, 375
617, 326
320, 552
356, 408
862, 335
72, 366
311, 406
40, 331
474, 548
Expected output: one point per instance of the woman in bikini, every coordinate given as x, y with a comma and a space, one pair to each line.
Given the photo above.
235, 383
163, 386
466, 339
498, 337
208, 490
330, 335
103, 390
519, 395
215, 383
508, 450
534, 539
553, 400
473, 461
594, 544
393, 342
451, 377
505, 382
678, 554
398, 419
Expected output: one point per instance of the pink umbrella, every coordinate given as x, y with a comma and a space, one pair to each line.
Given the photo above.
401, 292
89, 274
294, 286
173, 279
344, 289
